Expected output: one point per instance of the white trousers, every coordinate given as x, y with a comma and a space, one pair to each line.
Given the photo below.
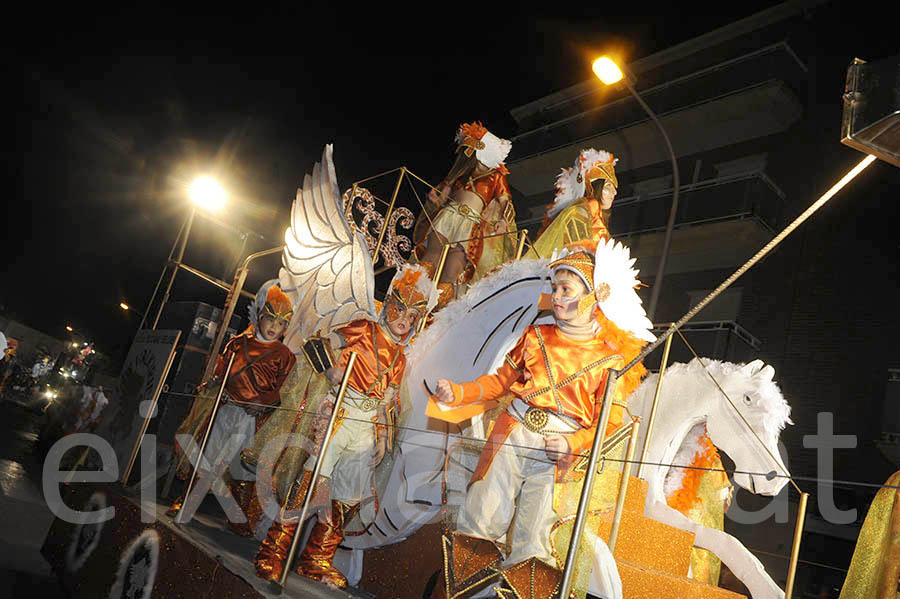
518, 484
346, 461
232, 431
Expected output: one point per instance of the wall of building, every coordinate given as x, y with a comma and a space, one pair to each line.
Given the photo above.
821, 304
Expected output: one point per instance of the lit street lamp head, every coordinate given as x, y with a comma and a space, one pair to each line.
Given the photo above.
206, 193
606, 70
69, 328
124, 306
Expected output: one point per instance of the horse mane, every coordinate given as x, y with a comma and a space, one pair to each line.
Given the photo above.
681, 485
765, 390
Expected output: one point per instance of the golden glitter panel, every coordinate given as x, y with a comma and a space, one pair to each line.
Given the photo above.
640, 582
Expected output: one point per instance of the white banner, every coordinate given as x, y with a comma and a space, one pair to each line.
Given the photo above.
141, 378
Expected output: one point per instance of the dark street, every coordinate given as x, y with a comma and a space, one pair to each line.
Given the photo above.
25, 517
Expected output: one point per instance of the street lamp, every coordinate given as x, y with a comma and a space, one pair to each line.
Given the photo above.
69, 328
609, 73
128, 308
207, 194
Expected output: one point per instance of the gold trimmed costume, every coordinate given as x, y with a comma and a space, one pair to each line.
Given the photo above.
580, 221
875, 568
577, 214
258, 371
363, 421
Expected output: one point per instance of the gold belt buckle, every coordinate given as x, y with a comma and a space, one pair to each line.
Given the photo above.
464, 210
536, 419
369, 404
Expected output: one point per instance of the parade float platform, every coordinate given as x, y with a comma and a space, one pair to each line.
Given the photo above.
653, 558
125, 557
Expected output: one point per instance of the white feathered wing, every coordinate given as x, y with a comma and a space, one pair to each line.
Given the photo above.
326, 267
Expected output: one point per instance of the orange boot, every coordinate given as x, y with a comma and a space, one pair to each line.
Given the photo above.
176, 506
244, 494
273, 551
326, 535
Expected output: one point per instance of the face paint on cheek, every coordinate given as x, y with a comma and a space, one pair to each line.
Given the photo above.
569, 305
393, 311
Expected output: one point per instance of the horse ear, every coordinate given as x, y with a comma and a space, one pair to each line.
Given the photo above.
767, 373
753, 367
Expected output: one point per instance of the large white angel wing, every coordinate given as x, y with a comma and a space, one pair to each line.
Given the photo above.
468, 338
326, 267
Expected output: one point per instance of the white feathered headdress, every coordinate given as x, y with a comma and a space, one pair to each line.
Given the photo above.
490, 150
608, 273
590, 164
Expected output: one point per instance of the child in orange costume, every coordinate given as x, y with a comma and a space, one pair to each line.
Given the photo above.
557, 376
360, 437
261, 365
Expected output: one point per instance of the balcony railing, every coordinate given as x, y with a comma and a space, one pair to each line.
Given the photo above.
746, 196
713, 339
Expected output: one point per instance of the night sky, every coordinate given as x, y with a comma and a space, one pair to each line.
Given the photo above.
114, 115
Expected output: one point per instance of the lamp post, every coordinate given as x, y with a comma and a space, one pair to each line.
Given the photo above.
128, 308
609, 73
205, 193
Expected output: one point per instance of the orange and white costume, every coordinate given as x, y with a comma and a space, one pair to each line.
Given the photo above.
468, 217
258, 370
369, 407
557, 383
372, 384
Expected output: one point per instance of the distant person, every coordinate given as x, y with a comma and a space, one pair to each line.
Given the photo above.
3, 346
41, 368
7, 361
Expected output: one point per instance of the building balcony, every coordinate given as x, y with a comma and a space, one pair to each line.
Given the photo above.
746, 196
724, 340
720, 223
734, 101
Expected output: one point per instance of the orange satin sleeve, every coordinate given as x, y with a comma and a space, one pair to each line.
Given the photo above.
492, 386
352, 333
501, 187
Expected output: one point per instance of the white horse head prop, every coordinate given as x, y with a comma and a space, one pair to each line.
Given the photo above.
754, 408
755, 400
745, 425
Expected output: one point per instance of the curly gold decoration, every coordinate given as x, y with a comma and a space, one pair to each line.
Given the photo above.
372, 222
